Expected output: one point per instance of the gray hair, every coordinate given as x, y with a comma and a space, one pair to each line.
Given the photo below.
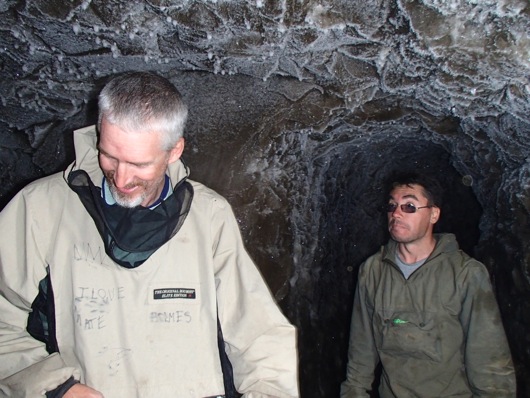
142, 102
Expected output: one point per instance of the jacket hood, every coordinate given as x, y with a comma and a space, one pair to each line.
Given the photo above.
86, 158
445, 243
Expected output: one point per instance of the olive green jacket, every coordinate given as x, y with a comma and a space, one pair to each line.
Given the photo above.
437, 334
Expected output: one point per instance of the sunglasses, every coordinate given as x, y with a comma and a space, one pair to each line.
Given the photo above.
406, 208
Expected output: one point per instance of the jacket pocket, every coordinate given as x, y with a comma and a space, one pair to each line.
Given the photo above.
411, 335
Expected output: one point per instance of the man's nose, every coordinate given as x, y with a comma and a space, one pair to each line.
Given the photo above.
397, 212
122, 175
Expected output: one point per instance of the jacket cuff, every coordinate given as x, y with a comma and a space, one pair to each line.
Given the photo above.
61, 390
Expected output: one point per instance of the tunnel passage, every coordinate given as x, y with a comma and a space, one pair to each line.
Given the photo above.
305, 198
303, 181
345, 226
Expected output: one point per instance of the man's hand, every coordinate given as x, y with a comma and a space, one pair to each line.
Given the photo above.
82, 391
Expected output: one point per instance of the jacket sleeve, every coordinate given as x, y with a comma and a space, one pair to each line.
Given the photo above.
260, 342
362, 351
488, 360
26, 368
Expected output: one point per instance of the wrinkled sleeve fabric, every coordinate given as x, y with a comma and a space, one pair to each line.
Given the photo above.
362, 351
26, 368
260, 342
488, 360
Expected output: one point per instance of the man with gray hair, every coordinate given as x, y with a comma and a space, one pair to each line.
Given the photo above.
121, 277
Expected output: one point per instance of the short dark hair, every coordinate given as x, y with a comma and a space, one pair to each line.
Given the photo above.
431, 187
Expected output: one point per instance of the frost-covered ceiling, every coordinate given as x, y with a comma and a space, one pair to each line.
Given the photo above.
299, 109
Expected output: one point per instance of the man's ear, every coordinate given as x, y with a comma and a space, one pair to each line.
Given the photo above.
435, 214
176, 152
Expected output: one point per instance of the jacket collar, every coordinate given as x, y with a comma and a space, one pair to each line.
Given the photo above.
445, 242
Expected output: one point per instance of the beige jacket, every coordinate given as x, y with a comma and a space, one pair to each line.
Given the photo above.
136, 332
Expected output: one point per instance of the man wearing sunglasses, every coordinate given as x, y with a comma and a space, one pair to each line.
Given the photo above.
425, 310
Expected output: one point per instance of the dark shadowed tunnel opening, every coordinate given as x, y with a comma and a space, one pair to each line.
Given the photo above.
351, 226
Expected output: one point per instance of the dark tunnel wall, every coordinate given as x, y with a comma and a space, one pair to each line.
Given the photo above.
298, 110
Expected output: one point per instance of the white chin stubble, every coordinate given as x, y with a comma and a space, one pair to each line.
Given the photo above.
126, 201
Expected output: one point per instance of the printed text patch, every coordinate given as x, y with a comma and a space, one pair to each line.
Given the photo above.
173, 293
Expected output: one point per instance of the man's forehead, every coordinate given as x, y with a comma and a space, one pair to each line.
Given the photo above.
408, 190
